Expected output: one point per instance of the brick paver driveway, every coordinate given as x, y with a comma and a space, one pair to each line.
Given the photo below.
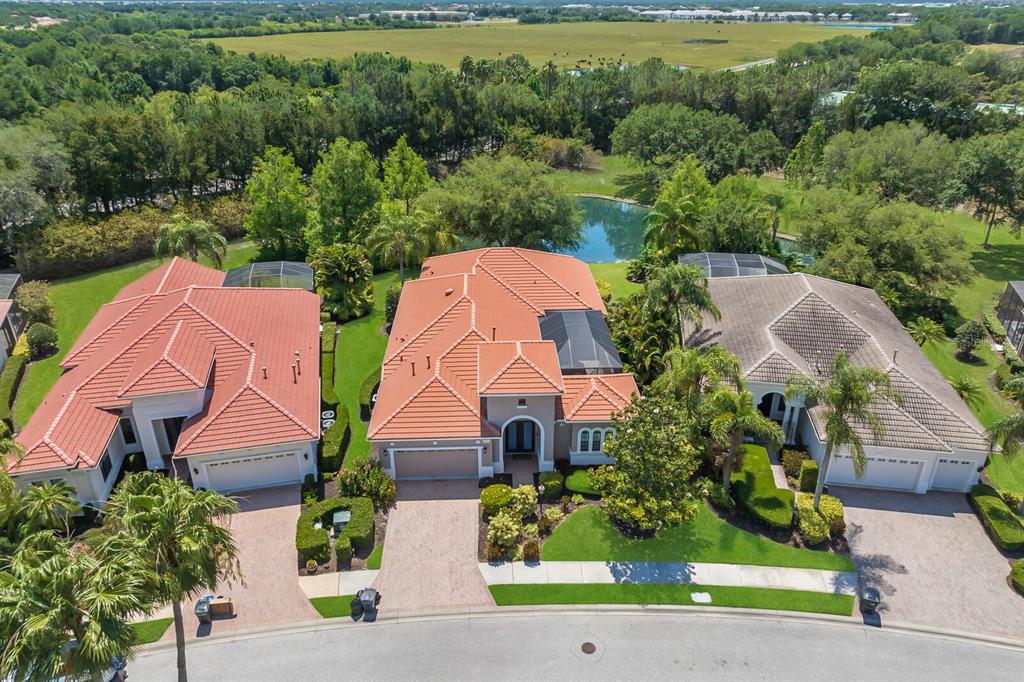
430, 552
264, 531
932, 561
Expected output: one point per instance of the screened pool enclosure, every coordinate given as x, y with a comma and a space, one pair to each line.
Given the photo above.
280, 274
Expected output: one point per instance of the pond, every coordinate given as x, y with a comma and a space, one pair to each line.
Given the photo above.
612, 230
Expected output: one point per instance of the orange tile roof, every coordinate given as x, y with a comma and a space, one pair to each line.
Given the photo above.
596, 397
467, 328
172, 331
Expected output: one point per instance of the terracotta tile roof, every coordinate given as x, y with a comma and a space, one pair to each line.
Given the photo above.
795, 323
162, 339
595, 397
470, 325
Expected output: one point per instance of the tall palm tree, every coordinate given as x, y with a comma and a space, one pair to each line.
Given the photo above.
776, 201
180, 533
690, 374
847, 396
49, 505
923, 330
679, 293
733, 416
398, 239
64, 609
673, 226
1007, 434
549, 72
184, 236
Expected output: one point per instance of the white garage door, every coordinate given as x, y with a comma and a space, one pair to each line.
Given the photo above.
880, 472
436, 464
953, 474
254, 472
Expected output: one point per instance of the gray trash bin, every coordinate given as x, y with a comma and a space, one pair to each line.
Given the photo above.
203, 609
368, 599
870, 598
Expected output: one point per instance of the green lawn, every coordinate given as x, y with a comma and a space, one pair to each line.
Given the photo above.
333, 607
361, 347
736, 597
588, 535
579, 482
75, 302
566, 44
149, 631
616, 176
615, 275
373, 561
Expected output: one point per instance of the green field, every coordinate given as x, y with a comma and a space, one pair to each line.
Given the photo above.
566, 44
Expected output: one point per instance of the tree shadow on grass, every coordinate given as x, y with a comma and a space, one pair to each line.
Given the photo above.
1001, 262
637, 186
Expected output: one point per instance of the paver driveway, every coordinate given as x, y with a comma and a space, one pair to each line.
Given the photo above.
932, 561
264, 532
430, 552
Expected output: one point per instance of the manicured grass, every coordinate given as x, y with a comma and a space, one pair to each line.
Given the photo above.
616, 176
373, 561
360, 348
149, 631
615, 275
1002, 525
333, 607
756, 491
565, 44
589, 535
579, 482
75, 302
736, 597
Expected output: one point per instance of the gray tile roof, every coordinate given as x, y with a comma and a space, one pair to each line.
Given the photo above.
797, 322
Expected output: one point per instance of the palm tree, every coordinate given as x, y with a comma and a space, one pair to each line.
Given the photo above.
64, 609
1008, 434
184, 236
776, 201
49, 505
923, 330
967, 388
690, 374
671, 226
679, 293
847, 397
734, 415
1014, 388
550, 74
398, 239
180, 534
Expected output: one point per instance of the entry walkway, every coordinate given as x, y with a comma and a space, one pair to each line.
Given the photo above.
657, 573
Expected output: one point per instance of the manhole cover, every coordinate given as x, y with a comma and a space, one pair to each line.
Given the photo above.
588, 647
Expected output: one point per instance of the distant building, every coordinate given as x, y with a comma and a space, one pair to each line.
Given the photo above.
1010, 312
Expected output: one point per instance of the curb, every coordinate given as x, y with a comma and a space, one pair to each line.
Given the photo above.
591, 609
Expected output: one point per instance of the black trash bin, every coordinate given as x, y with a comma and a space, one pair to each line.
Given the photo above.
203, 609
870, 598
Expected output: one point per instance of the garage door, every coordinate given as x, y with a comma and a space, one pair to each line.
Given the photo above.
881, 472
953, 474
432, 464
254, 472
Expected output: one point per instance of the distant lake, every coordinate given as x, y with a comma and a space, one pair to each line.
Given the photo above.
613, 230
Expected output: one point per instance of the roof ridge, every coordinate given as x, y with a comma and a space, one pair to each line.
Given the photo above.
503, 284
924, 428
554, 281
192, 436
429, 325
217, 325
384, 422
143, 299
611, 388
167, 273
586, 396
281, 408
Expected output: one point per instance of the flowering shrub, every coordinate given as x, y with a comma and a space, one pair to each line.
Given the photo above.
523, 501
367, 480
504, 529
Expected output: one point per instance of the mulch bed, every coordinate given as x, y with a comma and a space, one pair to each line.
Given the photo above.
380, 520
481, 541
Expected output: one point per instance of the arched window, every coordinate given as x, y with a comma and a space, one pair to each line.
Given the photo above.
596, 438
584, 440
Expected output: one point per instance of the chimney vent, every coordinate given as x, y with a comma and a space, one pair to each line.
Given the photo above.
295, 376
494, 333
414, 368
894, 351
264, 372
428, 362
449, 291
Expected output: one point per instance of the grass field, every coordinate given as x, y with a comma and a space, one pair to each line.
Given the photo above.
735, 597
75, 302
333, 607
616, 176
565, 44
149, 631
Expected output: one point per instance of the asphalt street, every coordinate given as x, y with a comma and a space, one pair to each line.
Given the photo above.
546, 645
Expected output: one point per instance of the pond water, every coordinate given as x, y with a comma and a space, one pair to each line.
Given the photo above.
612, 230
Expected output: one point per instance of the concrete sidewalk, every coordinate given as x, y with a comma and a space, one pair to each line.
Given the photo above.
641, 572
333, 584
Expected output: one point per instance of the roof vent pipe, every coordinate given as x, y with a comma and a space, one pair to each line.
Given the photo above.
494, 333
295, 376
264, 372
414, 368
298, 362
894, 350
428, 362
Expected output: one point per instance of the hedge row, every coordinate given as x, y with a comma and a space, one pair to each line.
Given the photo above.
315, 543
327, 346
1017, 576
77, 245
336, 439
328, 337
756, 491
1002, 524
370, 384
10, 380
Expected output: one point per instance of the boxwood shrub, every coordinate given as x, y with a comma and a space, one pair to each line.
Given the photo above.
756, 491
370, 384
10, 380
315, 543
327, 394
1002, 524
808, 475
813, 526
553, 483
494, 498
336, 439
1017, 576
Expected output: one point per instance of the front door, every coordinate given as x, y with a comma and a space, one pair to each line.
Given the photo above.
519, 437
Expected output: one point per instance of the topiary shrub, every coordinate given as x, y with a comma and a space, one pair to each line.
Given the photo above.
494, 498
1017, 576
42, 340
1002, 525
531, 551
968, 336
10, 380
391, 299
756, 492
791, 461
504, 529
335, 441
553, 483
831, 509
343, 550
315, 543
523, 501
812, 525
808, 475
370, 384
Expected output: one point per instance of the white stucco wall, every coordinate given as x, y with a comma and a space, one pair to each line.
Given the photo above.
149, 409
307, 459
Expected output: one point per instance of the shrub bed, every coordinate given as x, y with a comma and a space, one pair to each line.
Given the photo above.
1017, 576
336, 438
756, 491
808, 475
553, 483
791, 461
494, 498
10, 380
370, 384
1001, 523
315, 543
818, 526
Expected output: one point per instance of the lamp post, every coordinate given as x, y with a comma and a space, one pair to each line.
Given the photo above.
540, 489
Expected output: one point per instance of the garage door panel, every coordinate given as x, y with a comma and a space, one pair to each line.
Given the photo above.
953, 474
254, 472
454, 463
895, 473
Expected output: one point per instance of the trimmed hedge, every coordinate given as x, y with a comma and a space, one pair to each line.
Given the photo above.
1017, 576
335, 442
791, 461
494, 498
328, 337
813, 526
327, 394
1002, 524
994, 326
370, 384
756, 491
10, 380
315, 543
343, 550
553, 483
808, 475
